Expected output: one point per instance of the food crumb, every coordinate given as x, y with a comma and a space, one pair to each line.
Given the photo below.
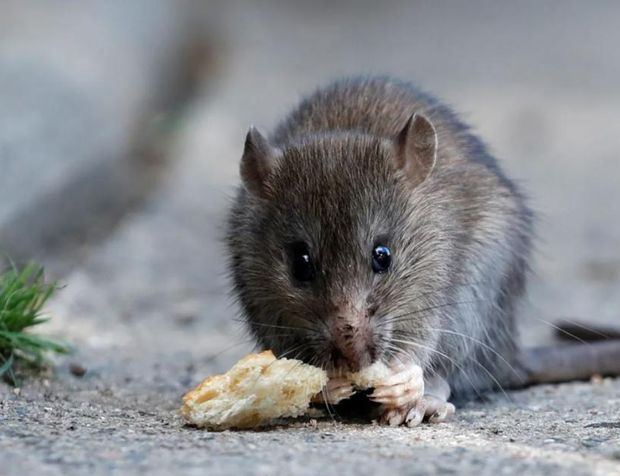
596, 379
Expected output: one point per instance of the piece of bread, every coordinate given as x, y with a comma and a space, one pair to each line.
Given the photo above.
257, 390
370, 377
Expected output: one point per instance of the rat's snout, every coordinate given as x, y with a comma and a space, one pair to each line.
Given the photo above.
353, 346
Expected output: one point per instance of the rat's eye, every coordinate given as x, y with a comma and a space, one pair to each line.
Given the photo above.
301, 262
381, 259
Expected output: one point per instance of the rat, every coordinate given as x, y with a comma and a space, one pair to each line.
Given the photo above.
372, 227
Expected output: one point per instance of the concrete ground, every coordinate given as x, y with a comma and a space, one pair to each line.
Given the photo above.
148, 312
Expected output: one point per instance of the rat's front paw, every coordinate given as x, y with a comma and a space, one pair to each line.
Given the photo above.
403, 387
400, 394
406, 399
336, 390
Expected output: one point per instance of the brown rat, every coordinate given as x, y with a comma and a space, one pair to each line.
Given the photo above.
373, 226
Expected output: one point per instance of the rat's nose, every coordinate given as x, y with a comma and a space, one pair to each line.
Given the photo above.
353, 347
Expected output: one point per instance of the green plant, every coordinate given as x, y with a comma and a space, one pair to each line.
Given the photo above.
23, 294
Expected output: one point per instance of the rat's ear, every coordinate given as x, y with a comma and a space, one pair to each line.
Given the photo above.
416, 148
257, 162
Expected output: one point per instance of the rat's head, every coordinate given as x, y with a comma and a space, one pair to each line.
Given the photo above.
334, 245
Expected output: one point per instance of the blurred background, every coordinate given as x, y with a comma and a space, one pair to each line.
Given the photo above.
122, 124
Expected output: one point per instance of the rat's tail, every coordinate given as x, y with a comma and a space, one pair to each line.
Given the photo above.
576, 331
564, 363
596, 353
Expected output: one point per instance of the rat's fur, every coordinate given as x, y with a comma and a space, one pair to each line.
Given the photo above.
460, 240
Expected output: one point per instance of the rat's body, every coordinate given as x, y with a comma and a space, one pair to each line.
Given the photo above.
373, 226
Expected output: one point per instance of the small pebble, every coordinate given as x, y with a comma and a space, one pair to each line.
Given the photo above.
596, 379
77, 370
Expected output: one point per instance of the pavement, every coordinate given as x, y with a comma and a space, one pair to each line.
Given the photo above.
148, 308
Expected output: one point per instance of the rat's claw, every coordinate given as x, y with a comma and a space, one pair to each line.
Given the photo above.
431, 409
410, 415
336, 390
437, 410
393, 416
416, 414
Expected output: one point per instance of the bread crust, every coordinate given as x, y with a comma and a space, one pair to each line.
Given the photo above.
255, 392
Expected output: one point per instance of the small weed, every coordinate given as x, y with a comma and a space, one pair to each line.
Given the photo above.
23, 294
